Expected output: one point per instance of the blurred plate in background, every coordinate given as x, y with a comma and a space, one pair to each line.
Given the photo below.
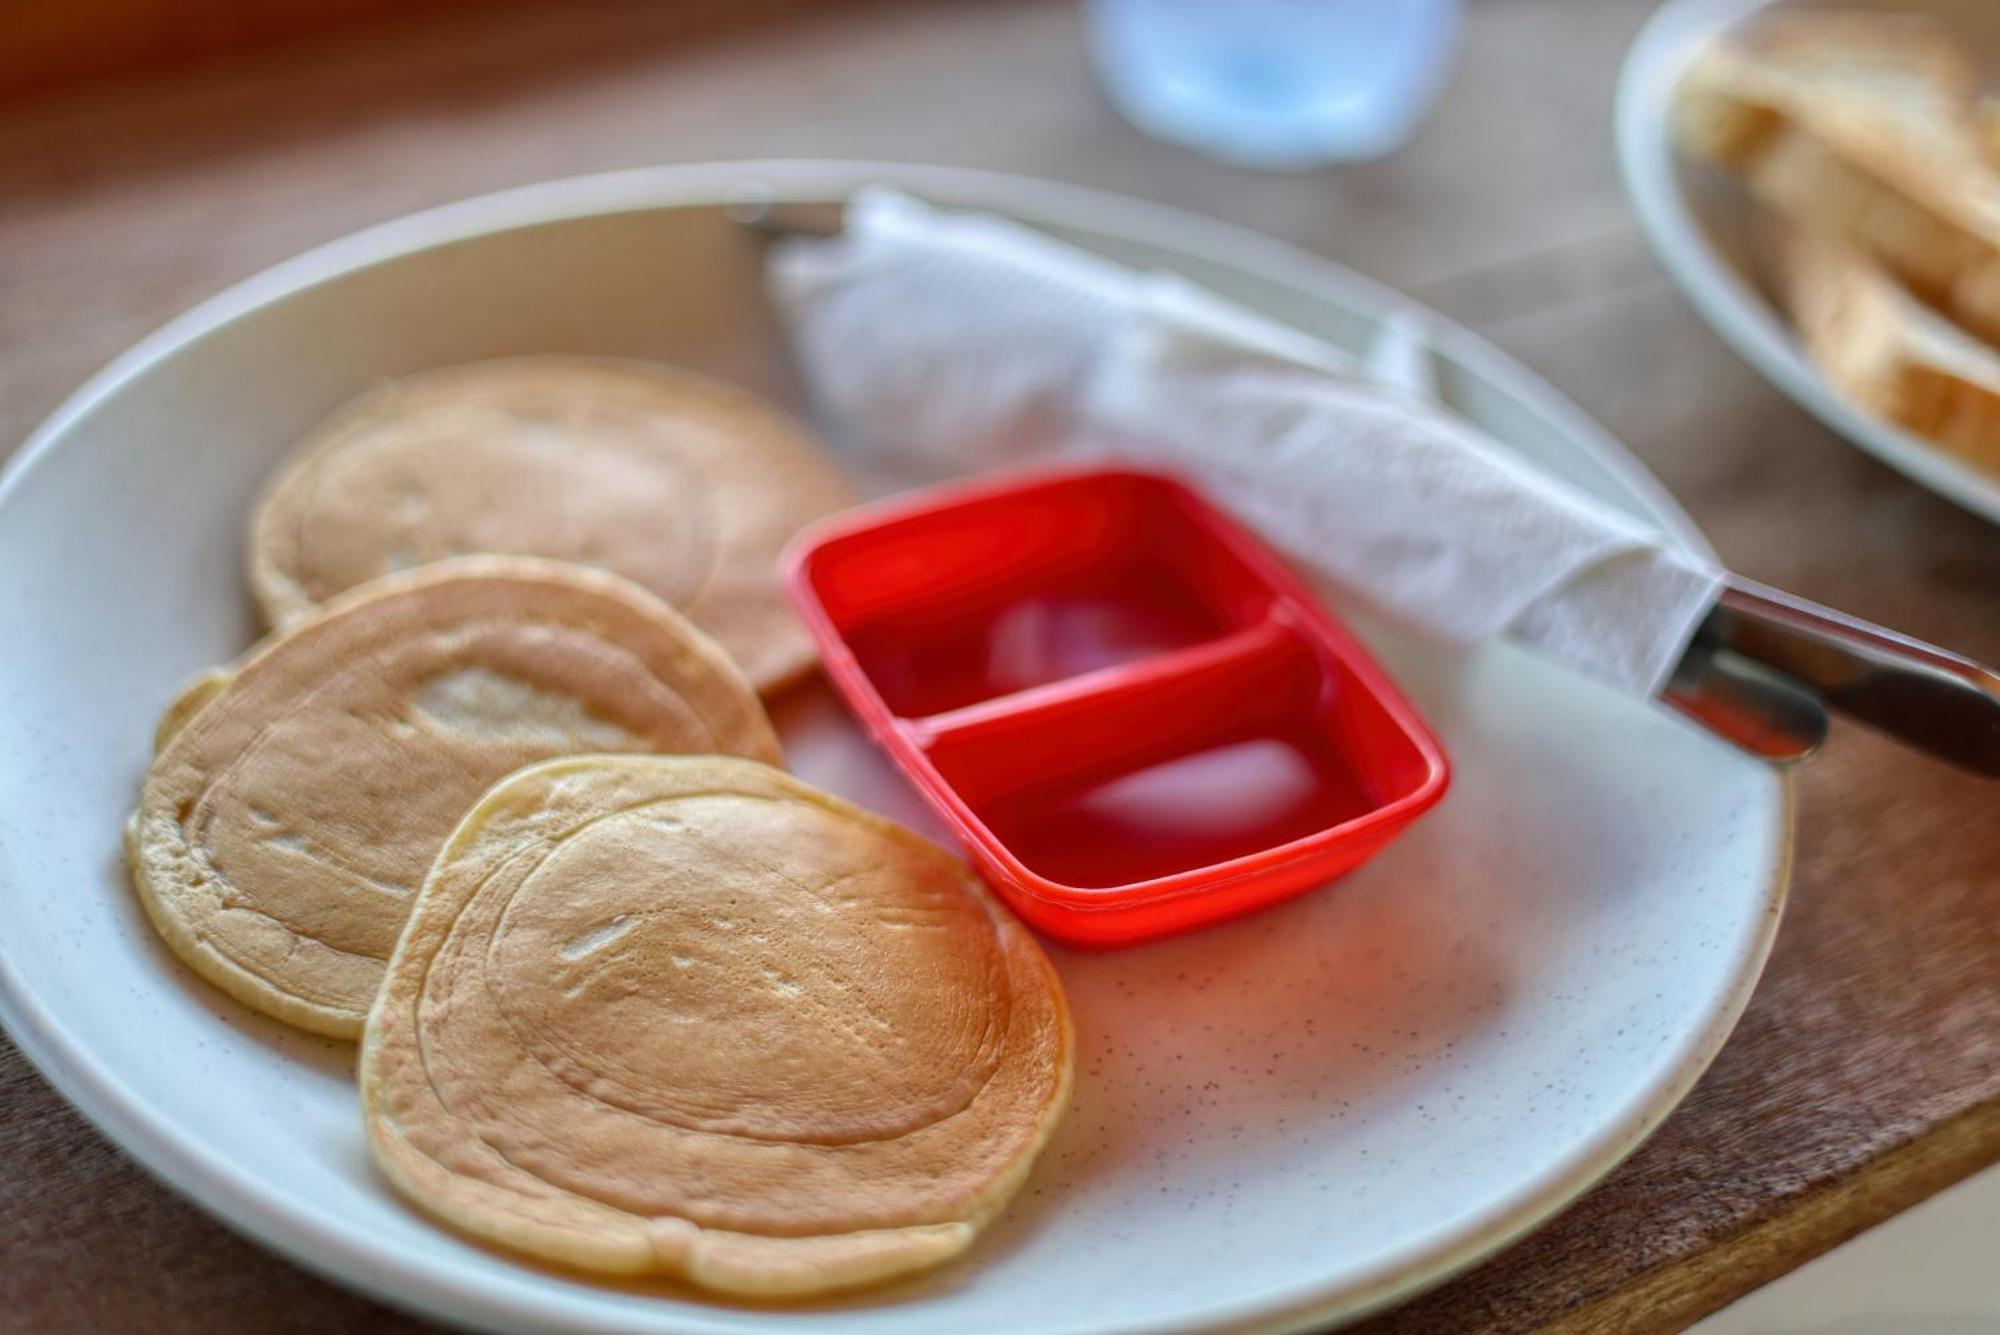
1701, 227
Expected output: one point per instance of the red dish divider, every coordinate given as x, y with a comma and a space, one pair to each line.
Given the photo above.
1131, 711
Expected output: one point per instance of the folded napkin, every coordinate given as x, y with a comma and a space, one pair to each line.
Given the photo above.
938, 344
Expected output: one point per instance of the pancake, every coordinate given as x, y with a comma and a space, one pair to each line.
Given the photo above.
686, 486
691, 1016
193, 695
295, 804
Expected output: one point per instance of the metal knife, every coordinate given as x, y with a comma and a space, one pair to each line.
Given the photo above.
1765, 666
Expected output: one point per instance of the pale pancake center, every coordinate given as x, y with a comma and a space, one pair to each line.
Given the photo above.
588, 482
368, 786
752, 975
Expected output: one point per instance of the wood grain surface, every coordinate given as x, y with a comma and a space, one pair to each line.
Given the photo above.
58, 45
1866, 1073
55, 45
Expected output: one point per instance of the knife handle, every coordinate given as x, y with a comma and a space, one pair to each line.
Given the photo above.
1925, 696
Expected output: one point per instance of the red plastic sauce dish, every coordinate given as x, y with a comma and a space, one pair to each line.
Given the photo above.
1130, 710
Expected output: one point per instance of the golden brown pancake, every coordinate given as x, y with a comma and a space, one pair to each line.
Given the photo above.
694, 1017
686, 486
295, 805
198, 691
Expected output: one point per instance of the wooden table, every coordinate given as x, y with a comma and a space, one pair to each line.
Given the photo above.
1867, 1071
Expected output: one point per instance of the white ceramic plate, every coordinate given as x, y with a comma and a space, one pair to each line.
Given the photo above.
1289, 1118
1702, 228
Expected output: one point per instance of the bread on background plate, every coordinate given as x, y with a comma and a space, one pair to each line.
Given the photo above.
1888, 352
1865, 127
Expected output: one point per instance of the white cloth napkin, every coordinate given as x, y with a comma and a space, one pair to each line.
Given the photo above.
939, 344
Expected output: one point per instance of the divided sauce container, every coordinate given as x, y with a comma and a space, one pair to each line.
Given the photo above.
1132, 713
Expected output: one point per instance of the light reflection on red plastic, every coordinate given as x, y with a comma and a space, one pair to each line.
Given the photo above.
1221, 802
927, 665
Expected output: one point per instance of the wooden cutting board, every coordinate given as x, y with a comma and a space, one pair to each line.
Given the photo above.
1867, 1072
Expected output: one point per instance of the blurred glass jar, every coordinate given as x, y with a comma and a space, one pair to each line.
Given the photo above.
1280, 84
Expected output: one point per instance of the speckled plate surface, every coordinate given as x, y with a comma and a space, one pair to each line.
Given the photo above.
1294, 1117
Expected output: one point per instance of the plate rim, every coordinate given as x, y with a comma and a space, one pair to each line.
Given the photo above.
1727, 304
346, 1256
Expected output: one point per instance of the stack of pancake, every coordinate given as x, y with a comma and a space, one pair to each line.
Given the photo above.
497, 797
